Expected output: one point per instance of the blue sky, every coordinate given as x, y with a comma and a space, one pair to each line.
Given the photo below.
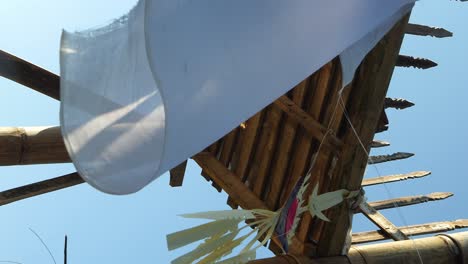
131, 229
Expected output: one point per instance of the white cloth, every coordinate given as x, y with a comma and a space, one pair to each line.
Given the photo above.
157, 86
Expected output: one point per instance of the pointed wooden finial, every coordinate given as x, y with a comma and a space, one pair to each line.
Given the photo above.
397, 103
395, 178
420, 63
422, 30
385, 158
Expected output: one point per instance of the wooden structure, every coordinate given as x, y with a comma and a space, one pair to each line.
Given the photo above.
259, 161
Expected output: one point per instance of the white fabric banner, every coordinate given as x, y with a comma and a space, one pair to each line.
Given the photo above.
162, 83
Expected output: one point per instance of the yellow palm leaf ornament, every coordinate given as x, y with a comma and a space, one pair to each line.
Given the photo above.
223, 234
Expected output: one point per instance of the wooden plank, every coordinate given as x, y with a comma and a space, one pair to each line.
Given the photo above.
409, 200
383, 223
265, 150
413, 230
29, 75
32, 145
177, 175
391, 157
317, 89
422, 30
365, 104
228, 147
395, 178
39, 188
250, 129
283, 155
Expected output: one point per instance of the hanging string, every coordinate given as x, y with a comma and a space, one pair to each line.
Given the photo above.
389, 194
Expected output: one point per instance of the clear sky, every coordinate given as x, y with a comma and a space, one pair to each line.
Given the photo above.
132, 229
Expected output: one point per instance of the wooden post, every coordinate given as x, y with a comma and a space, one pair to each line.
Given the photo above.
367, 96
31, 145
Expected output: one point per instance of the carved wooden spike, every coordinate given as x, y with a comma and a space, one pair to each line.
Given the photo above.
383, 223
395, 178
422, 30
420, 63
413, 230
385, 158
397, 103
39, 188
409, 200
379, 144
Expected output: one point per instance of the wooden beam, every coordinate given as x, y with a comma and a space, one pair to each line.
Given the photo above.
177, 175
409, 200
31, 145
413, 230
391, 157
29, 75
383, 223
395, 178
230, 183
422, 30
311, 125
365, 105
39, 188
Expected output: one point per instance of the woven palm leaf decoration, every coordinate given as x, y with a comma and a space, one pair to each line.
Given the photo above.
223, 234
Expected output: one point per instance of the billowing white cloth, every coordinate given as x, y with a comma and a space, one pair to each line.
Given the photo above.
160, 84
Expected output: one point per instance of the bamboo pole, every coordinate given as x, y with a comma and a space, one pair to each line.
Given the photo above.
445, 248
31, 145
414, 230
